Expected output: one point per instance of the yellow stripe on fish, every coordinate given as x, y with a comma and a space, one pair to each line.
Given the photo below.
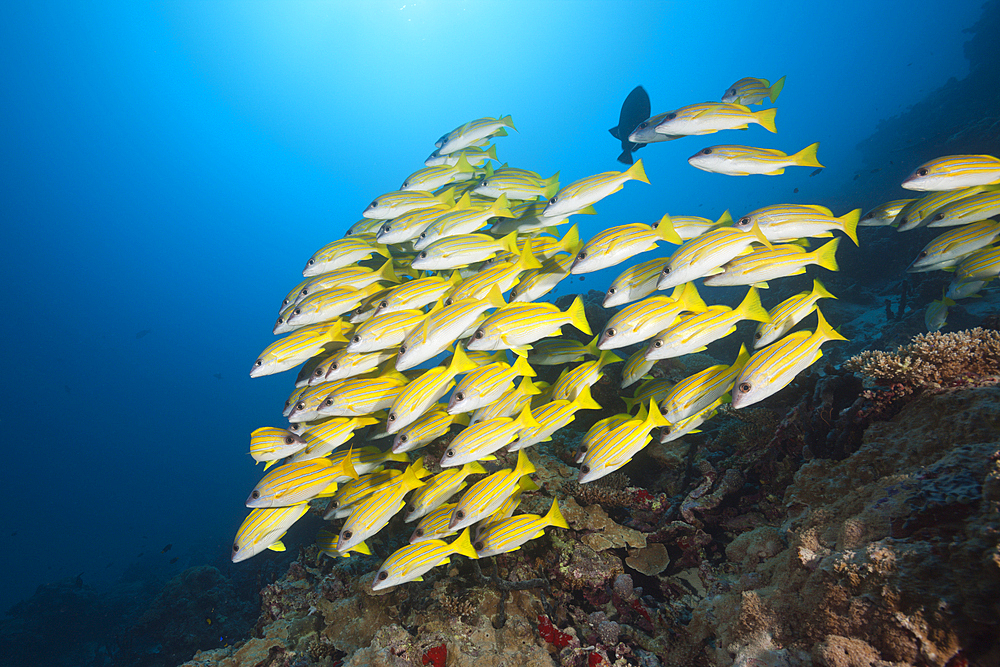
634, 283
558, 351
750, 90
439, 489
784, 260
618, 446
955, 244
472, 217
410, 562
642, 320
263, 529
571, 383
709, 117
536, 283
350, 493
295, 483
322, 306
340, 253
298, 346
551, 417
452, 252
588, 191
693, 333
617, 244
384, 330
953, 172
782, 223
327, 542
479, 441
486, 496
636, 368
477, 157
517, 325
473, 132
396, 203
511, 403
421, 394
416, 293
702, 256
787, 314
972, 208
372, 513
426, 428
509, 534
734, 160
269, 444
980, 265
503, 275
885, 214
694, 393
921, 212
356, 397
434, 525
432, 178
323, 439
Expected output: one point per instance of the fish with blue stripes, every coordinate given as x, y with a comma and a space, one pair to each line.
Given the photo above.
295, 483
704, 255
751, 90
515, 326
410, 562
439, 489
734, 160
788, 313
373, 512
510, 534
420, 394
342, 252
709, 117
763, 265
592, 189
696, 392
947, 249
788, 222
617, 447
473, 133
479, 441
263, 529
487, 384
487, 495
953, 172
442, 327
617, 244
396, 203
297, 347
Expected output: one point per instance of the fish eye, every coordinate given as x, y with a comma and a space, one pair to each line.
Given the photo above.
707, 151
328, 402
298, 311
385, 229
554, 200
310, 262
334, 366
392, 416
731, 91
318, 372
671, 116
383, 575
939, 216
479, 334
450, 453
404, 438
657, 343
745, 220
356, 339
612, 290
513, 293
423, 255
423, 235
383, 303
419, 532
922, 171
288, 440
402, 349
258, 363
460, 514
744, 387
346, 534
610, 333
236, 546
410, 508
642, 125
585, 469
449, 301
757, 336
373, 204
255, 494
460, 396
281, 320
923, 253
301, 405
582, 255
485, 183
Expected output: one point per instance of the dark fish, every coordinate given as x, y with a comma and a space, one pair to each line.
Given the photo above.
857, 176
13, 534
815, 172
174, 560
634, 111
217, 376
167, 548
144, 332
140, 553
795, 190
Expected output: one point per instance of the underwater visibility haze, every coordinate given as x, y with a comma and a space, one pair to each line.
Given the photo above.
170, 167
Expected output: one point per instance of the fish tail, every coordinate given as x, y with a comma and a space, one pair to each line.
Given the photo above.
381, 249
655, 419
529, 388
585, 401
607, 357
625, 157
410, 479
629, 403
554, 517
447, 197
578, 316
463, 166
766, 119
508, 121
665, 230
495, 297
465, 201
418, 468
690, 299
725, 220
501, 207
775, 89
509, 243
347, 464
741, 360
820, 292
571, 241
460, 362
637, 172
824, 330
751, 307
528, 260
463, 544
524, 465
551, 186
523, 368
387, 272
807, 156
850, 221
526, 420
592, 346
826, 255
491, 153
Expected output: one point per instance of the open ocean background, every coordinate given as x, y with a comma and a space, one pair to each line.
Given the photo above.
168, 167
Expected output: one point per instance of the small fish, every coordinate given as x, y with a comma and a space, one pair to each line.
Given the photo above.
174, 560
421, 394
709, 117
477, 157
617, 447
410, 225
487, 495
426, 428
166, 548
736, 160
536, 283
954, 172
517, 325
885, 214
348, 276
654, 389
588, 191
297, 347
269, 444
953, 245
636, 368
696, 392
692, 334
354, 491
327, 540
789, 222
410, 562
645, 132
676, 430
480, 440
983, 264
443, 326
572, 382
343, 364
511, 403
439, 489
963, 289
429, 179
546, 247
749, 90
321, 439
452, 252
644, 319
517, 184
635, 109
295, 483
936, 315
559, 351
341, 253
396, 203
617, 244
467, 217
416, 293
815, 172
774, 367
636, 282
760, 266
372, 514
705, 255
509, 534
528, 217
486, 385
303, 406
385, 329
434, 525
263, 529
921, 212
787, 314
503, 275
967, 210
473, 132
357, 397
322, 306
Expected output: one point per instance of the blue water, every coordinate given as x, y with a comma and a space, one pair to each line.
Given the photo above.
168, 168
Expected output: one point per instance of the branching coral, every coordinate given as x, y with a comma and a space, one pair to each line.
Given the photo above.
934, 360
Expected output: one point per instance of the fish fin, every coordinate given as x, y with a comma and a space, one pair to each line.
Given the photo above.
523, 368
850, 221
528, 388
823, 328
387, 273
500, 133
268, 464
665, 230
826, 255
764, 285
741, 360
625, 157
364, 421
554, 517
690, 298
527, 260
578, 316
571, 241
524, 465
776, 172
629, 403
421, 578
948, 302
807, 156
526, 483
713, 272
460, 362
614, 132
751, 308
463, 166
488, 458
463, 544
462, 419
607, 357
637, 172
585, 401
592, 347
654, 418
446, 198
526, 420
725, 220
362, 548
821, 292
277, 546
508, 121
775, 89
755, 230
588, 210
501, 207
509, 243
521, 350
701, 349
766, 119
495, 297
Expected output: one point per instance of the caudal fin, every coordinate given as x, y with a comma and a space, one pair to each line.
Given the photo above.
807, 156
826, 255
766, 119
775, 89
850, 222
578, 316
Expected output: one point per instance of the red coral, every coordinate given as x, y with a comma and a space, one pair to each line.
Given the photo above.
551, 633
596, 660
436, 656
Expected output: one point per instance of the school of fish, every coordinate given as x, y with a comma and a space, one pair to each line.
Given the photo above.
422, 277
